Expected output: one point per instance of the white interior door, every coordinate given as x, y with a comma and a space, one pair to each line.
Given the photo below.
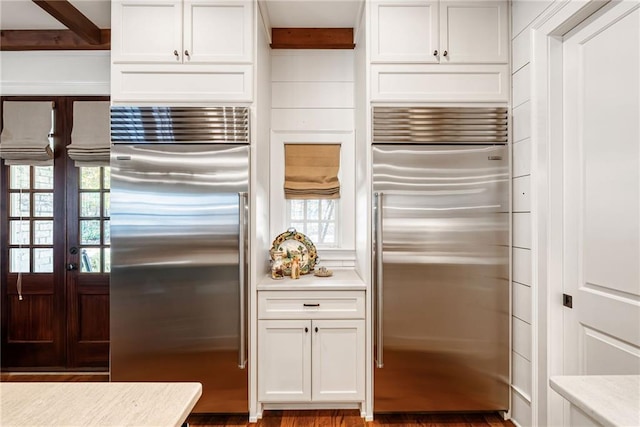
601, 212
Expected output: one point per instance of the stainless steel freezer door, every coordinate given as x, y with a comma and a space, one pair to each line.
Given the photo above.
445, 289
175, 297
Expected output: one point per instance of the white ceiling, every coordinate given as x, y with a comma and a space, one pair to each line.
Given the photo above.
26, 15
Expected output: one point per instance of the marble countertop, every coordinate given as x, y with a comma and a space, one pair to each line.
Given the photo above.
96, 404
342, 279
612, 400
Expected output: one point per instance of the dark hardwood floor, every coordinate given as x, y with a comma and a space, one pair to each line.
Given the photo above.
311, 418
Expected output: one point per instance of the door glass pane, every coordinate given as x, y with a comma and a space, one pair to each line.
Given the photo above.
107, 204
90, 232
107, 178
43, 232
43, 177
19, 176
43, 204
90, 178
107, 233
107, 260
90, 204
19, 232
19, 260
20, 204
90, 260
43, 260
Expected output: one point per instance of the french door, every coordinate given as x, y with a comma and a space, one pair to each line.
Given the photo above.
54, 258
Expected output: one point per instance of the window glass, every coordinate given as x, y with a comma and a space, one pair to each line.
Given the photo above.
314, 218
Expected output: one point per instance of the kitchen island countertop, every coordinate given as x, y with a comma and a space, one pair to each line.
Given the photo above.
611, 400
97, 404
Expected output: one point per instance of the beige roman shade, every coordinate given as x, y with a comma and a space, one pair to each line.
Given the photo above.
25, 133
311, 171
90, 137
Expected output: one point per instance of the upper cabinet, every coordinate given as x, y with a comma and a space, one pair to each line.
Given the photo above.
175, 31
182, 51
432, 31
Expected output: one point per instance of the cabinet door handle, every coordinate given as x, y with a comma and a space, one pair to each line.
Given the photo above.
435, 52
186, 53
306, 330
445, 53
316, 329
175, 52
311, 305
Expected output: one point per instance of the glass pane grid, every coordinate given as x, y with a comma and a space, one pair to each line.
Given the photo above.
314, 218
30, 219
93, 219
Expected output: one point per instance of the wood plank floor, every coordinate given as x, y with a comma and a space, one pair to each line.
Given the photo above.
312, 418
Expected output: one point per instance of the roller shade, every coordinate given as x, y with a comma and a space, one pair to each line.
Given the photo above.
311, 171
90, 137
25, 134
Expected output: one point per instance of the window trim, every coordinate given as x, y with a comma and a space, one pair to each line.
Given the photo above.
345, 216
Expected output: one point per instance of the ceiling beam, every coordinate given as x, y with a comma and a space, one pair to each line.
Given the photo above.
73, 19
12, 40
312, 38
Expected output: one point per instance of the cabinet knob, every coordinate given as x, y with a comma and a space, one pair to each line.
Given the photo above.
175, 52
445, 53
435, 52
186, 53
316, 329
306, 329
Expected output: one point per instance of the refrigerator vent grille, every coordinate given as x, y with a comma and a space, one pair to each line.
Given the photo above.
439, 125
180, 124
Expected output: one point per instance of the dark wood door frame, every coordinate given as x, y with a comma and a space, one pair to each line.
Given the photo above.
61, 347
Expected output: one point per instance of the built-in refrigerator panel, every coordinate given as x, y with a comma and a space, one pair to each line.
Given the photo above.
441, 286
178, 255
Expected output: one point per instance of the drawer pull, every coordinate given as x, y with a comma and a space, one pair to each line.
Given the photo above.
311, 305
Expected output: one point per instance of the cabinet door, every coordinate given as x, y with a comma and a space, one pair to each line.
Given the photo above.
217, 31
338, 360
284, 360
404, 31
146, 31
474, 31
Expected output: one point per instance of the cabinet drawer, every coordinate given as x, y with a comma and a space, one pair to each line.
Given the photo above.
311, 305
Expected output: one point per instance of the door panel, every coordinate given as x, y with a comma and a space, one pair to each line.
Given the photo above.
601, 214
445, 304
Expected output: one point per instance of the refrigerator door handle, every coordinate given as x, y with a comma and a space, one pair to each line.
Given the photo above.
378, 277
242, 350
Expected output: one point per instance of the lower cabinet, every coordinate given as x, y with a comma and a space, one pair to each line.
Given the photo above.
310, 359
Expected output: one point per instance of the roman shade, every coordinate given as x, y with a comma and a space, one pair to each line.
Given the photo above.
311, 171
90, 137
25, 133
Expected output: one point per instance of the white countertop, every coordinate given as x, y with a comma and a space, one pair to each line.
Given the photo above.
96, 404
342, 279
612, 400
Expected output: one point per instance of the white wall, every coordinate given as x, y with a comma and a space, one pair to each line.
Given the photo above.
523, 13
313, 102
55, 73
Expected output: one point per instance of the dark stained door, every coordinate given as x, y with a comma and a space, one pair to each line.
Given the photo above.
55, 233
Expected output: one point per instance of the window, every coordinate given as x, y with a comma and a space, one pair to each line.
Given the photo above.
30, 219
316, 219
94, 201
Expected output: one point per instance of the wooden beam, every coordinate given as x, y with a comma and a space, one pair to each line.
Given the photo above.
73, 19
11, 40
312, 38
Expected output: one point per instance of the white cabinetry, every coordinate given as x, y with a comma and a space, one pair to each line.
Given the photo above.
181, 50
439, 51
311, 346
431, 31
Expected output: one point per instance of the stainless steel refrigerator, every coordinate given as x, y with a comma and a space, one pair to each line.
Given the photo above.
441, 266
179, 259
